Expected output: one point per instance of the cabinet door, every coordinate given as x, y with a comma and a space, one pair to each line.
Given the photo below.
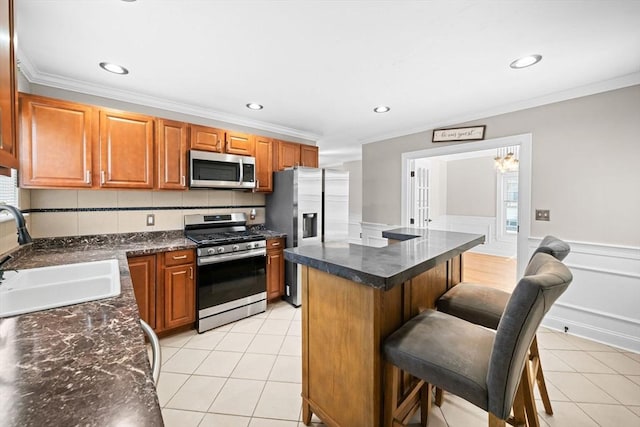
171, 141
264, 164
7, 87
308, 155
205, 138
275, 268
126, 150
143, 276
240, 143
288, 155
179, 296
56, 143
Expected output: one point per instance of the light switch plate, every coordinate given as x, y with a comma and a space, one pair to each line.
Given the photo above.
542, 215
151, 219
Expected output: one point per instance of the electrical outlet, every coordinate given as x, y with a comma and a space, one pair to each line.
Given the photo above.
543, 215
151, 220
566, 329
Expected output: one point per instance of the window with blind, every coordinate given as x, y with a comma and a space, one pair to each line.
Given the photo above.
9, 189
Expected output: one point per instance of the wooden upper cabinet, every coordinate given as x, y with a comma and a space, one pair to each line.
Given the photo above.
288, 155
8, 110
206, 138
56, 143
240, 143
309, 155
264, 164
171, 140
126, 150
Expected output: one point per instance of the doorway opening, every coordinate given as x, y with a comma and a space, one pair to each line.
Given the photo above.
445, 188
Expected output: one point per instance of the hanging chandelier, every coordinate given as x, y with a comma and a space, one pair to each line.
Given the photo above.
506, 159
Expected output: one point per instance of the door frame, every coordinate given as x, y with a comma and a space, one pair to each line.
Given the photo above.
525, 141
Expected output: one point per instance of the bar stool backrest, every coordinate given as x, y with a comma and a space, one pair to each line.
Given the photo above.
544, 281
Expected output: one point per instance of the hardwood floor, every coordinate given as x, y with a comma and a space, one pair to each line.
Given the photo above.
495, 271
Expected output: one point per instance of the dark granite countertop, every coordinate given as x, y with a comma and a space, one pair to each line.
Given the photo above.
268, 234
84, 364
387, 266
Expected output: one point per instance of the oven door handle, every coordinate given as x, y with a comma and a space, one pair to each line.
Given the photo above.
215, 259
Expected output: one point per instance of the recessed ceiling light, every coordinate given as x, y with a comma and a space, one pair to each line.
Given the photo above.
525, 61
254, 106
381, 109
113, 68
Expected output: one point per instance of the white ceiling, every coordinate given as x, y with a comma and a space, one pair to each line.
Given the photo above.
319, 67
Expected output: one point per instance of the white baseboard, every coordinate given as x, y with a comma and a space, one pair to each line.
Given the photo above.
603, 301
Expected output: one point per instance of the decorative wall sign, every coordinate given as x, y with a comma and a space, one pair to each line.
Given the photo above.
459, 134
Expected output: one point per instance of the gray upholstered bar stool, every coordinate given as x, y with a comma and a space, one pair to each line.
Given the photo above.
483, 366
484, 306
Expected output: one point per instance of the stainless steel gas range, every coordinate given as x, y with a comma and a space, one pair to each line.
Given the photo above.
231, 268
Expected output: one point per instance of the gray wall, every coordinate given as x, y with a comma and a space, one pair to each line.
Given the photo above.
355, 187
471, 187
585, 166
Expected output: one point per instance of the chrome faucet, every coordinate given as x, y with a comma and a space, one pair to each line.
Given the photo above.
23, 234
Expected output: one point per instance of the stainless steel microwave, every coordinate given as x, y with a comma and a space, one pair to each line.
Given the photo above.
216, 170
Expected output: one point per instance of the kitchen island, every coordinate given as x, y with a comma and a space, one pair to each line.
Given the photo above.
353, 297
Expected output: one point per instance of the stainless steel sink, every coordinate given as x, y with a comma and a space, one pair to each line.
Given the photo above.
35, 289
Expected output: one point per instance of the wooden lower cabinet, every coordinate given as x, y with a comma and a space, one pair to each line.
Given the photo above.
275, 268
179, 296
164, 286
143, 277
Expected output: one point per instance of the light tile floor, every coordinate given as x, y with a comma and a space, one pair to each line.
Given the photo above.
248, 374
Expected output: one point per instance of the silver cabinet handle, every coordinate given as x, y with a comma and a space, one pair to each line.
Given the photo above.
102, 177
191, 273
182, 180
180, 257
155, 350
87, 177
275, 244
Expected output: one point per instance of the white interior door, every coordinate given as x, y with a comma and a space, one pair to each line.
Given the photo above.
421, 194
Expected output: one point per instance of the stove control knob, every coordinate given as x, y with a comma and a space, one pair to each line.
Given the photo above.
211, 251
250, 246
235, 248
220, 249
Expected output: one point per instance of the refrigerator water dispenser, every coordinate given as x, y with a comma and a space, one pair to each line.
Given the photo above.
309, 225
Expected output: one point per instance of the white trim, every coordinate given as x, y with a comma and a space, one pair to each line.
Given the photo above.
524, 181
604, 270
35, 76
601, 303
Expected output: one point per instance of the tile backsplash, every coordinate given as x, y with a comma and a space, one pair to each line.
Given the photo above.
81, 212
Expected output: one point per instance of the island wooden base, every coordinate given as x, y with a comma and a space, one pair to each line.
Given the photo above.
344, 325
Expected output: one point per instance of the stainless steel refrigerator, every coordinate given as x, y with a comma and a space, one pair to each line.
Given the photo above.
311, 205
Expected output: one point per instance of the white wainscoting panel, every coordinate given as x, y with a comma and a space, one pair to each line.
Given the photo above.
467, 224
372, 233
355, 229
603, 301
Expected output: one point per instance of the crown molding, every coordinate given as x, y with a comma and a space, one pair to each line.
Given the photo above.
565, 95
33, 75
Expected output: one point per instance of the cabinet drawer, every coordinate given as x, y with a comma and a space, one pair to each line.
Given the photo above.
275, 243
185, 256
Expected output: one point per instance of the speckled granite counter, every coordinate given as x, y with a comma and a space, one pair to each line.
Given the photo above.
84, 364
388, 266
